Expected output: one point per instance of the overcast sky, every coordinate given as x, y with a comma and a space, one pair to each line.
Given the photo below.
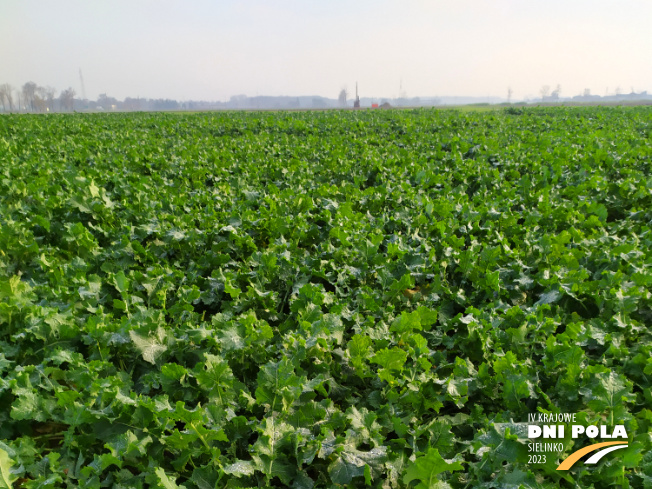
213, 49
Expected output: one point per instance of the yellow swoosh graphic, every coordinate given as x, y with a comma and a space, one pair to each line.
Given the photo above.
575, 456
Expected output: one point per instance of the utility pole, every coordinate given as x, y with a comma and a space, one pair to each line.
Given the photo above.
83, 88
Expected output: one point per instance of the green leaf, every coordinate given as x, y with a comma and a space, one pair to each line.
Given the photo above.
351, 463
268, 451
358, 348
121, 283
608, 392
7, 477
549, 297
278, 386
345, 468
440, 435
427, 467
407, 322
94, 189
151, 347
391, 359
215, 376
165, 481
427, 316
240, 468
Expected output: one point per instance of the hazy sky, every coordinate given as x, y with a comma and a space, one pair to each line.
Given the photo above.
212, 49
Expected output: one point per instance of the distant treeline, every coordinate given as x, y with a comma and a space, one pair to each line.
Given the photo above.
35, 98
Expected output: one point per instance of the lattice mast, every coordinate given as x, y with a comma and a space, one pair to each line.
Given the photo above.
83, 88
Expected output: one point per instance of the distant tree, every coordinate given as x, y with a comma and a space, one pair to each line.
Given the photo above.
41, 99
618, 90
67, 99
319, 103
48, 95
29, 92
545, 91
587, 92
132, 103
238, 101
342, 97
509, 94
557, 91
106, 102
164, 104
6, 97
